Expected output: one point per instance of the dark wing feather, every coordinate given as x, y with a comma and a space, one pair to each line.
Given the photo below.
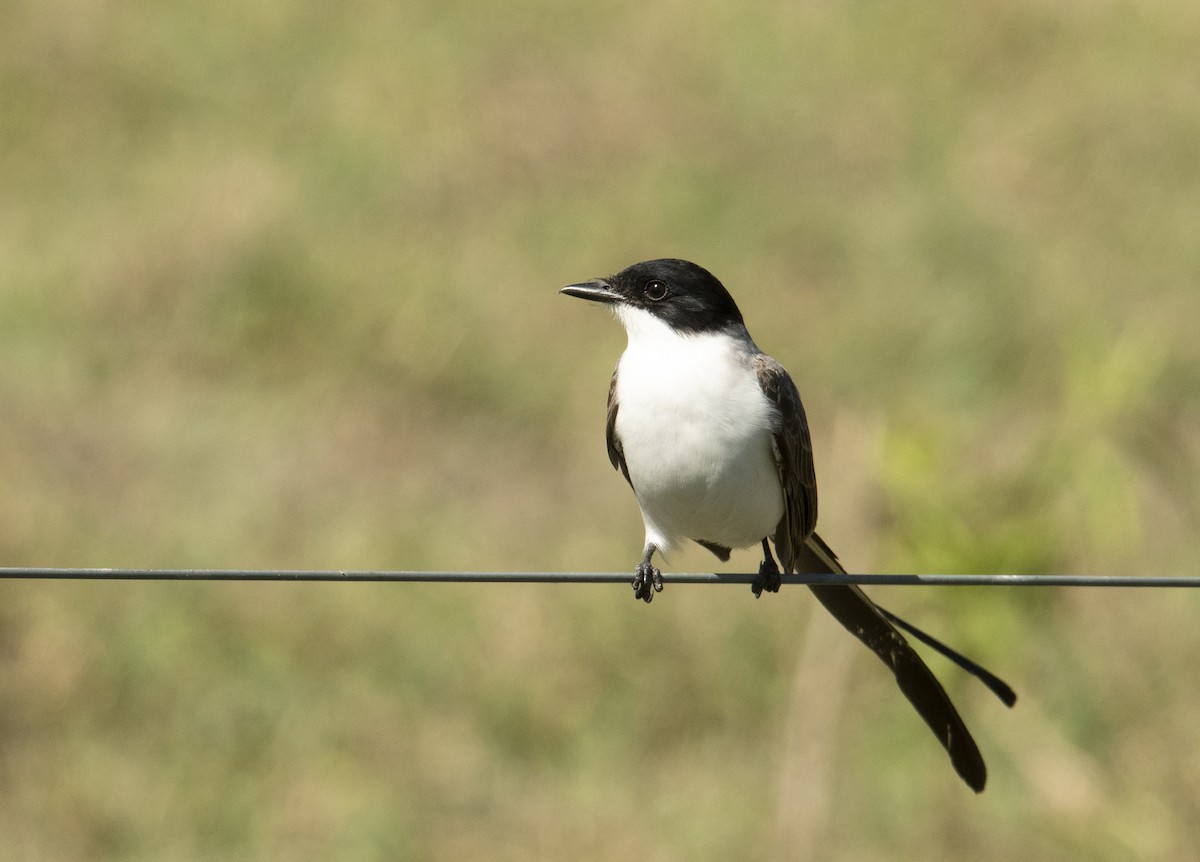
794, 458
719, 551
799, 547
616, 454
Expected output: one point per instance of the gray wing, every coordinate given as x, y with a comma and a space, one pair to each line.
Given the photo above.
794, 459
616, 454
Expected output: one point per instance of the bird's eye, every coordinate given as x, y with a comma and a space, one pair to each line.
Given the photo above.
655, 290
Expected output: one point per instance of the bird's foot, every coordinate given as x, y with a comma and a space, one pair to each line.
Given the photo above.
647, 580
768, 578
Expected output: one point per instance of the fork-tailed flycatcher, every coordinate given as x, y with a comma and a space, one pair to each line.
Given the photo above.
710, 433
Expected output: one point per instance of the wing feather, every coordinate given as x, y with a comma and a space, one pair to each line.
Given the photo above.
793, 458
616, 453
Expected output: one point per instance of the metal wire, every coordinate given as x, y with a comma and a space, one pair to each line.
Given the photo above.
98, 574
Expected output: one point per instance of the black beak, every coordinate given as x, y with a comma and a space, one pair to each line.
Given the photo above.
597, 290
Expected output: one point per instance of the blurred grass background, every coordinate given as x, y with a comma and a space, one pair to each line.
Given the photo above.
278, 288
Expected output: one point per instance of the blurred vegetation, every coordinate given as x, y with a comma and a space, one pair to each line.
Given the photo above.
278, 288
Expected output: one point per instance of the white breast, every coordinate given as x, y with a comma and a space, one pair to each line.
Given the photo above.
696, 433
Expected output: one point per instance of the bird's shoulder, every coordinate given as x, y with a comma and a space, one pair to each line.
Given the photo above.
778, 387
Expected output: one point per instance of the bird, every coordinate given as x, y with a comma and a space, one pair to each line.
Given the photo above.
710, 433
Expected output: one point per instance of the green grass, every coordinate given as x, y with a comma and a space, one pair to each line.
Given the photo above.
278, 288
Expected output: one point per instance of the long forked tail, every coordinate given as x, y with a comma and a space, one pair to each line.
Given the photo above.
818, 557
876, 628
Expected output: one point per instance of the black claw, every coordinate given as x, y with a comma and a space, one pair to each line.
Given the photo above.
647, 580
768, 578
642, 591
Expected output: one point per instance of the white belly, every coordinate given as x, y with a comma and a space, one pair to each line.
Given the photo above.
696, 433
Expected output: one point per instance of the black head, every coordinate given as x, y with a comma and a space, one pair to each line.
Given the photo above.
683, 295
